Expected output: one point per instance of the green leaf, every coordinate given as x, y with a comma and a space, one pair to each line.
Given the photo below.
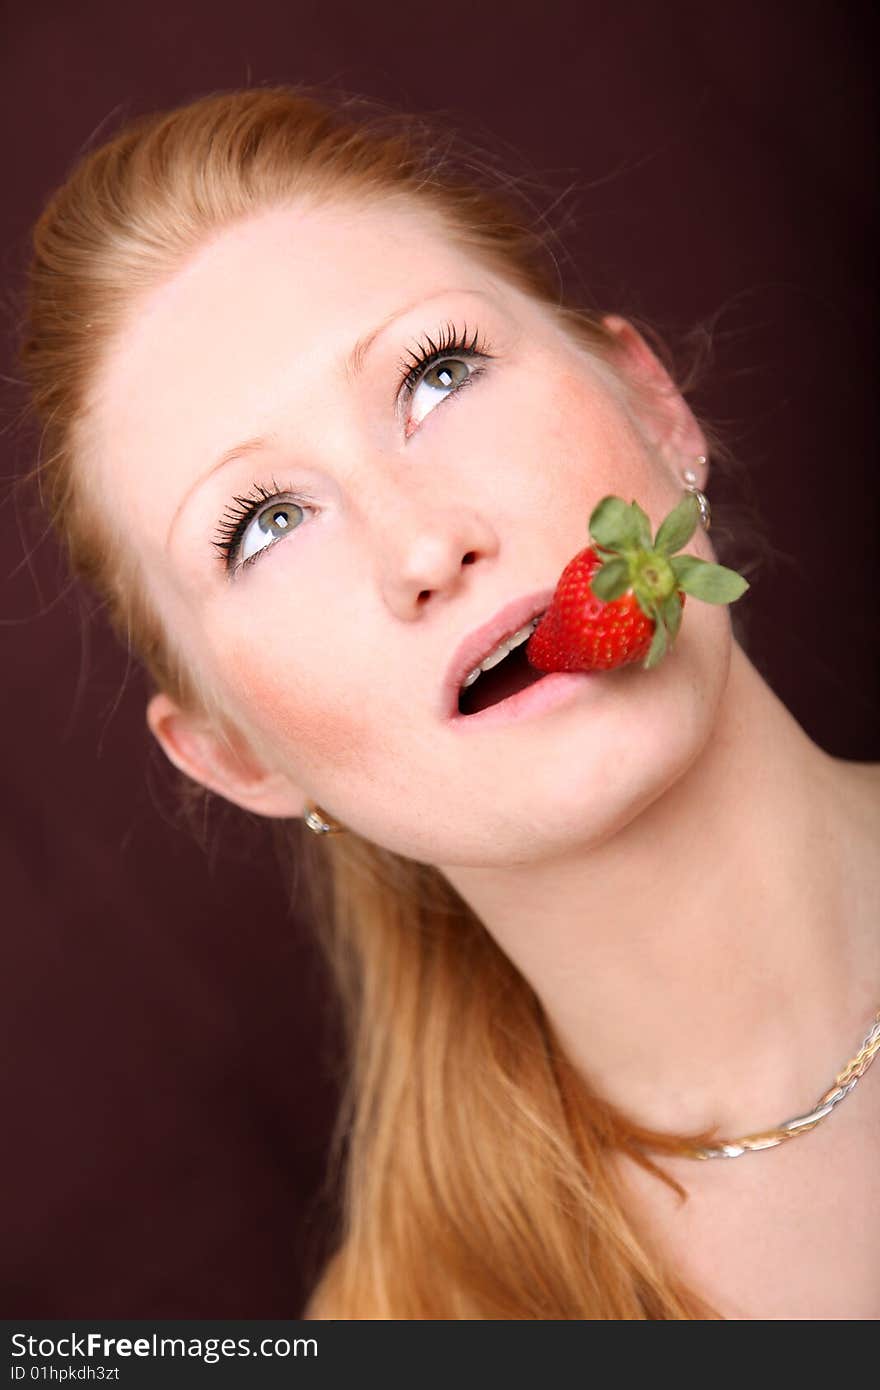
643, 525
670, 612
677, 528
709, 582
613, 525
611, 580
684, 564
646, 604
657, 650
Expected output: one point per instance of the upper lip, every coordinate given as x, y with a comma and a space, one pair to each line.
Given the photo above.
473, 650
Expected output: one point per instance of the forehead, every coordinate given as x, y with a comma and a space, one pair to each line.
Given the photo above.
244, 333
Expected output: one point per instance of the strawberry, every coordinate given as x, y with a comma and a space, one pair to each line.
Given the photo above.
621, 598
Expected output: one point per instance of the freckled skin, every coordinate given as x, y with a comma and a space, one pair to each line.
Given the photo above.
624, 849
332, 648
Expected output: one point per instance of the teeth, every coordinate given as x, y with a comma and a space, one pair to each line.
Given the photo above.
501, 651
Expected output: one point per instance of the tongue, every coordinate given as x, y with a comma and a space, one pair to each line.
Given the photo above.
510, 675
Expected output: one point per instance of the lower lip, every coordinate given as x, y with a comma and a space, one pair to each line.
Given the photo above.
550, 691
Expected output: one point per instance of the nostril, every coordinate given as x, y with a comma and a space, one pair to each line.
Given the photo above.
469, 558
426, 593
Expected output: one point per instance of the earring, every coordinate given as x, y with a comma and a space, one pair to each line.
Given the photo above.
690, 483
322, 824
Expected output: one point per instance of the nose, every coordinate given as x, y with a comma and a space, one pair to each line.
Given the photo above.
424, 550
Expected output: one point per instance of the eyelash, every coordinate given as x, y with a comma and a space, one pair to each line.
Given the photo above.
429, 352
241, 510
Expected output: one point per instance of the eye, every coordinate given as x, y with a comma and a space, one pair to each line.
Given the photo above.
441, 369
249, 528
268, 526
437, 371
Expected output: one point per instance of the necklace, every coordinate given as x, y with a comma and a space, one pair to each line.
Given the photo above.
843, 1084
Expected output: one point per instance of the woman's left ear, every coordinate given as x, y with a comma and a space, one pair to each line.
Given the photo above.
667, 418
222, 763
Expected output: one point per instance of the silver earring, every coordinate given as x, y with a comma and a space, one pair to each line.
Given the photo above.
319, 821
690, 483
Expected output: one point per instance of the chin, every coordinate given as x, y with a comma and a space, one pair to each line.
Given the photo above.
590, 770
612, 767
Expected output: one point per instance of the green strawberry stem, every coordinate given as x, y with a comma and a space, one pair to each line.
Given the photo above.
651, 570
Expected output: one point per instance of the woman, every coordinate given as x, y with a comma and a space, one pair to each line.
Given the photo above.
579, 938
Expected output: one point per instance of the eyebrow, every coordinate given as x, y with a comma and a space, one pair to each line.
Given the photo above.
353, 366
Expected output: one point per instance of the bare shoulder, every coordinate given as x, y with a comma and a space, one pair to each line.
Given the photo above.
854, 825
854, 791
858, 782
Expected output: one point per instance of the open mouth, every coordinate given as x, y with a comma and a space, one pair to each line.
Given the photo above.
507, 678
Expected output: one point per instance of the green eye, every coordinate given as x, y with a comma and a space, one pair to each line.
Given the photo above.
275, 513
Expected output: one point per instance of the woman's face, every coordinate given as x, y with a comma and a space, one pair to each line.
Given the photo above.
430, 508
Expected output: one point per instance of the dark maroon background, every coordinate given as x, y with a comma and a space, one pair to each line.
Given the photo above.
166, 1094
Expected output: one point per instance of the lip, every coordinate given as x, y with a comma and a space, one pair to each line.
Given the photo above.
556, 688
477, 645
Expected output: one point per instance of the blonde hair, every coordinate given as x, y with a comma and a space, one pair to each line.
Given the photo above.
471, 1157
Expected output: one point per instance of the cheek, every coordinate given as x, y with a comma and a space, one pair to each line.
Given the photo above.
300, 714
594, 439
574, 444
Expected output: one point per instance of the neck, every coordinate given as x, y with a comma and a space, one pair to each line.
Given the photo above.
733, 988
